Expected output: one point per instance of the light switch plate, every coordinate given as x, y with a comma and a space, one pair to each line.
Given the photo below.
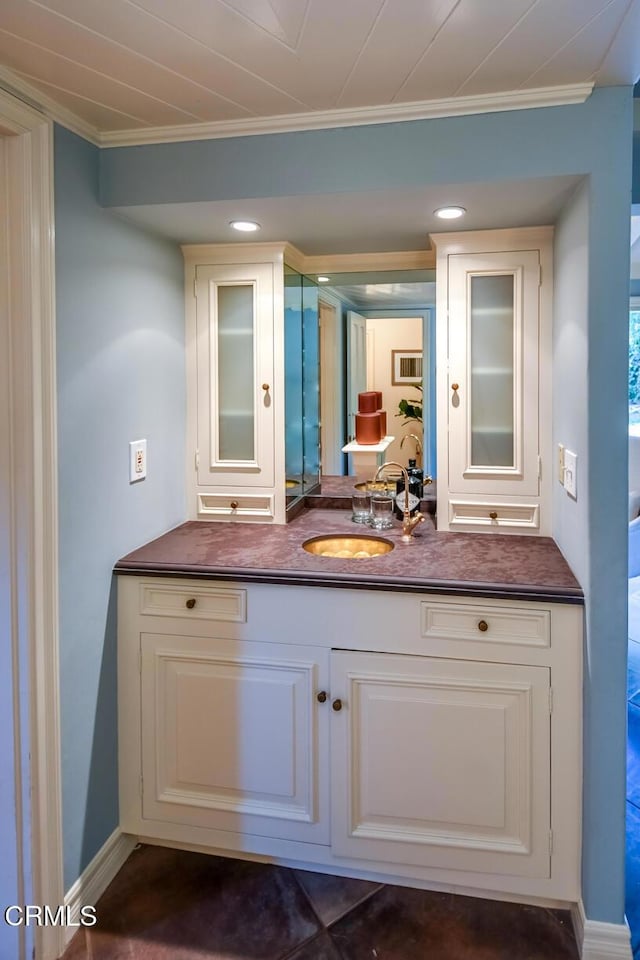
561, 463
137, 460
571, 473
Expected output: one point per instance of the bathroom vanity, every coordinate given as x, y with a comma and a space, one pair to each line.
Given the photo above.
396, 717
413, 716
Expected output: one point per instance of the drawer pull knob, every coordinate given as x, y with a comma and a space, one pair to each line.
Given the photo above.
483, 626
321, 697
337, 705
234, 504
190, 604
493, 515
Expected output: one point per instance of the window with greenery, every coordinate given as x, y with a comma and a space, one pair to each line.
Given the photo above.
634, 366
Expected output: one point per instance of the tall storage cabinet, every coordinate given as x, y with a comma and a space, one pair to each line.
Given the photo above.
235, 360
493, 332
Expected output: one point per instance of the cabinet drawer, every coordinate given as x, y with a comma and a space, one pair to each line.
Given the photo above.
485, 624
228, 506
195, 602
494, 516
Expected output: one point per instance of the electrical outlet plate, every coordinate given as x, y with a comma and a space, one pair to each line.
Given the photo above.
137, 460
571, 473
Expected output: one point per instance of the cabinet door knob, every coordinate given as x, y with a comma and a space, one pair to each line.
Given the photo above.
337, 705
234, 504
483, 626
455, 387
265, 387
493, 515
190, 604
321, 697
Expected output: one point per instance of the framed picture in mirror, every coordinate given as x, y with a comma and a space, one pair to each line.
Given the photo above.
406, 367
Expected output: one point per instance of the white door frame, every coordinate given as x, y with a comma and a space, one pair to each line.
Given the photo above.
331, 389
28, 435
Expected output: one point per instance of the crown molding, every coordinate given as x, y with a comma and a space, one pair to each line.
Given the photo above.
364, 262
360, 116
290, 123
503, 238
285, 252
47, 106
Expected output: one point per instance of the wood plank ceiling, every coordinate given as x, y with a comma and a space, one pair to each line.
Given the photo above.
127, 65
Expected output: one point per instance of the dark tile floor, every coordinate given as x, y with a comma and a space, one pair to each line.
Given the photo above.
173, 905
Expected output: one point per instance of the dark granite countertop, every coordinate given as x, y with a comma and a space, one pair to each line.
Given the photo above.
473, 564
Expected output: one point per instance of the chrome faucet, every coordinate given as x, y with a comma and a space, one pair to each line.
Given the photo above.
408, 522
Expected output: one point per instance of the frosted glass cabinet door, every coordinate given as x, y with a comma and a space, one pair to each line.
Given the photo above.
493, 366
234, 319
491, 363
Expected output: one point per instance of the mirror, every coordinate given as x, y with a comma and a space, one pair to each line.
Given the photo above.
377, 328
302, 413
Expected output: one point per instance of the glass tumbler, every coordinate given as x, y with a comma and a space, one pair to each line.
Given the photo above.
361, 506
381, 509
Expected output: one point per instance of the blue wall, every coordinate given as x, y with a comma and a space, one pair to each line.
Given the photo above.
592, 139
570, 363
121, 377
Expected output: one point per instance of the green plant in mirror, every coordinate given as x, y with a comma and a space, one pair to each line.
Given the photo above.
411, 410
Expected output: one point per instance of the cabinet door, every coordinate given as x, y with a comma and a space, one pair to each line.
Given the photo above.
233, 737
234, 330
493, 373
441, 763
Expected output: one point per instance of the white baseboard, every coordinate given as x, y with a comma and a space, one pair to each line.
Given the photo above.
97, 876
600, 941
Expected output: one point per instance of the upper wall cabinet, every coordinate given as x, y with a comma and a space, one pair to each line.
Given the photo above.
235, 360
493, 328
252, 330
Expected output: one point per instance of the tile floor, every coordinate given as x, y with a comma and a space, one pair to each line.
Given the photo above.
173, 905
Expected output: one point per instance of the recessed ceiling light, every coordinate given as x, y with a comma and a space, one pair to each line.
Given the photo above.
323, 279
246, 226
450, 213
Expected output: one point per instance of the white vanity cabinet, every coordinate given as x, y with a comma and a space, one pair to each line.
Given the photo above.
494, 358
402, 736
235, 380
231, 736
442, 762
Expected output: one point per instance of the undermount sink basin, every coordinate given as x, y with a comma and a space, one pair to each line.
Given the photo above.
361, 547
376, 485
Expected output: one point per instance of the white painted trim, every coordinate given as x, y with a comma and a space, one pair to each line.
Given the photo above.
16, 86
97, 876
362, 262
330, 392
284, 252
556, 96
360, 116
600, 941
34, 560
